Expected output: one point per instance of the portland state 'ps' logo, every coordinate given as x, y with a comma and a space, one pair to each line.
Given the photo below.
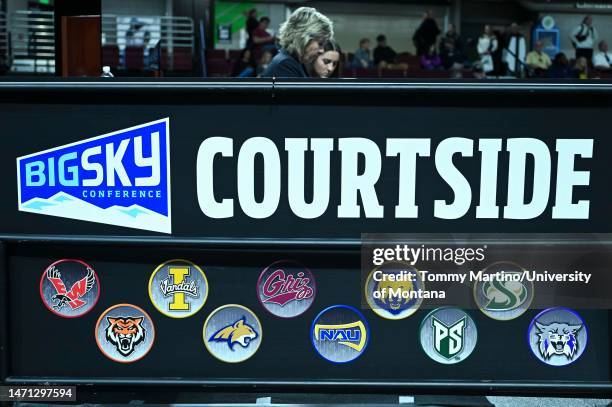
121, 178
448, 335
448, 340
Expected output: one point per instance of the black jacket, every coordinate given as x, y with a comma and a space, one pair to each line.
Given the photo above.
284, 65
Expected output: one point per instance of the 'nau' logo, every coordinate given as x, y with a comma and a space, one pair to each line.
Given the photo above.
352, 335
121, 178
340, 333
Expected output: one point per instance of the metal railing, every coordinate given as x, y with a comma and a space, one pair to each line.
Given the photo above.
4, 48
169, 31
32, 43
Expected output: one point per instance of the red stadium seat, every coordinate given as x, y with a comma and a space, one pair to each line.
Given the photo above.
219, 68
234, 54
110, 56
134, 58
216, 54
392, 73
366, 73
182, 59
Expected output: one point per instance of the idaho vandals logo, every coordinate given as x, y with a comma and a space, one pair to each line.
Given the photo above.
125, 333
500, 294
232, 333
340, 333
389, 297
448, 335
557, 336
121, 178
178, 288
286, 288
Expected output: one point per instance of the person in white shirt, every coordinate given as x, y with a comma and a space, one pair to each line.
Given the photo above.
515, 51
602, 60
584, 38
487, 45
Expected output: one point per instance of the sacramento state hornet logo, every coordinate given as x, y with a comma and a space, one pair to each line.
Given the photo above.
69, 288
448, 335
232, 333
392, 299
557, 336
340, 333
178, 288
500, 294
286, 289
125, 333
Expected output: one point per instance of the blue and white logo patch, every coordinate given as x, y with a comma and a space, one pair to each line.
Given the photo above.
121, 178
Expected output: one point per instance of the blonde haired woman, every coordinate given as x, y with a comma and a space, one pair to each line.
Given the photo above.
301, 38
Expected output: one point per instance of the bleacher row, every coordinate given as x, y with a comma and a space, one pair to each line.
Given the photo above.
179, 59
220, 63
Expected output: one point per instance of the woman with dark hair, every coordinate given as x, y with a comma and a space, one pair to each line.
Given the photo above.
560, 67
327, 64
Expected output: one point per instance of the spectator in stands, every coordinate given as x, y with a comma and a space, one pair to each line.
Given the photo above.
431, 60
538, 60
515, 50
262, 40
362, 58
584, 38
244, 67
133, 36
452, 58
301, 38
251, 24
385, 57
263, 63
487, 45
602, 60
327, 64
427, 33
452, 37
560, 67
581, 68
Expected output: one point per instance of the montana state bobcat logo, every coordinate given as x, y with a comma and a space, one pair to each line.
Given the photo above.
557, 339
237, 333
125, 333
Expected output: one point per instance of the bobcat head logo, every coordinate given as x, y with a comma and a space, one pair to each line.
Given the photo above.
125, 333
392, 299
237, 333
557, 339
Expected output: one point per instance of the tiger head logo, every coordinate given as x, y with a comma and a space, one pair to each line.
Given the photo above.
557, 339
237, 333
125, 333
392, 299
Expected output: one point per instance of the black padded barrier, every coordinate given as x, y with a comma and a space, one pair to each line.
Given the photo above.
39, 347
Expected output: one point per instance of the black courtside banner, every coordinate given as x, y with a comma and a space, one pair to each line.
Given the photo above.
235, 177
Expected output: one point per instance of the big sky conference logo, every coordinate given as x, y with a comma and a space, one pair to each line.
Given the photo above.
121, 178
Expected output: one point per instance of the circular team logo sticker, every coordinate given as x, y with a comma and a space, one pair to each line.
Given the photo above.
178, 288
448, 335
340, 333
69, 288
557, 336
501, 294
125, 333
286, 289
391, 290
232, 333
